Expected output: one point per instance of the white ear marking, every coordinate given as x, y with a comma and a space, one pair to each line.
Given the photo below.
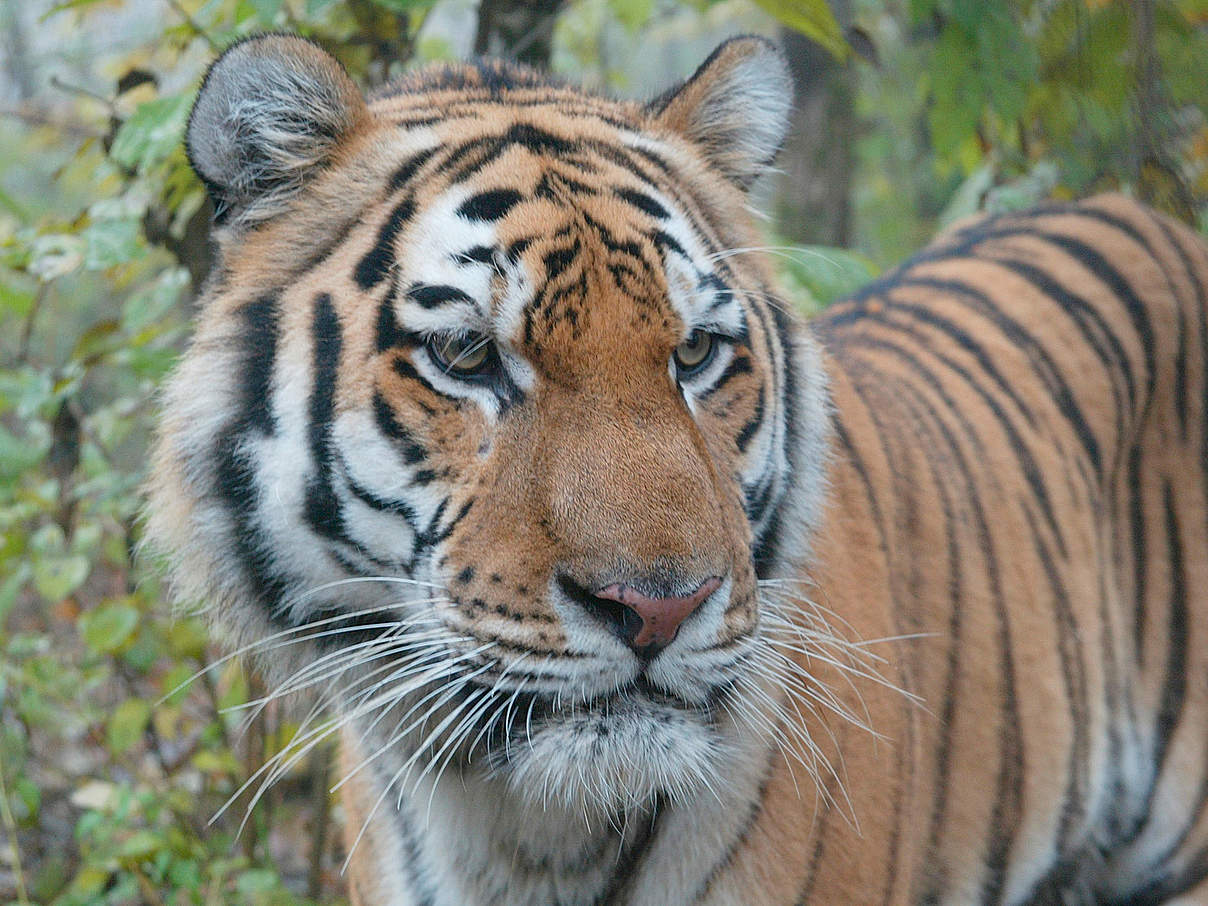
735, 106
271, 110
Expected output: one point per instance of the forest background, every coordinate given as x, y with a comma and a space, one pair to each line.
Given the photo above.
908, 114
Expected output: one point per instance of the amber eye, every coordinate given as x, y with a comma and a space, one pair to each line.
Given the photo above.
694, 353
461, 354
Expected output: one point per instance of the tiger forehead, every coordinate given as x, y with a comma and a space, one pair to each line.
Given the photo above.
540, 235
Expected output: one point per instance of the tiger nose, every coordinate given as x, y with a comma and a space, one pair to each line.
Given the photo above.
648, 624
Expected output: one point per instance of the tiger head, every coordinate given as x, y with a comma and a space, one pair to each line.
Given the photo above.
492, 423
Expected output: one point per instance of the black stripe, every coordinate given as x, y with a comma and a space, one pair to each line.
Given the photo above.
392, 428
1073, 810
743, 438
481, 254
559, 259
1008, 800
1023, 454
322, 508
1136, 523
644, 203
1086, 255
1098, 265
1174, 686
851, 457
388, 334
422, 890
664, 240
408, 372
754, 808
1095, 331
375, 501
261, 326
739, 364
235, 479
408, 169
1045, 368
1180, 358
784, 394
955, 560
488, 148
492, 205
429, 295
625, 869
1200, 304
375, 266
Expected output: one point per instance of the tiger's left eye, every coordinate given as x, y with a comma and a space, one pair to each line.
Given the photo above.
461, 354
694, 353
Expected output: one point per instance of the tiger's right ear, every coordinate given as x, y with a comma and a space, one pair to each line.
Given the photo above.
271, 111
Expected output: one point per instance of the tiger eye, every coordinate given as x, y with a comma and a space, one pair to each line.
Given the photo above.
461, 354
694, 353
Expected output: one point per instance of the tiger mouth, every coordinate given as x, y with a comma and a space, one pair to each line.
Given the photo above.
536, 710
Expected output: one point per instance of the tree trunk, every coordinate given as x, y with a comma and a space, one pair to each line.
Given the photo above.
517, 30
812, 200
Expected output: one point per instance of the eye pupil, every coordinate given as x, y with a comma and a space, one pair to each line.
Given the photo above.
462, 354
695, 352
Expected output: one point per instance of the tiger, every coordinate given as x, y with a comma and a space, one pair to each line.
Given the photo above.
618, 580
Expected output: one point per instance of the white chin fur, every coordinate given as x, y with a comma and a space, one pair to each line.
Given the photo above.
602, 761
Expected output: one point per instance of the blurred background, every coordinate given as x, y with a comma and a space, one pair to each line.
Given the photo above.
908, 114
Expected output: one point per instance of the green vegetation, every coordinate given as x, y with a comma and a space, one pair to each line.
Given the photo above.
112, 764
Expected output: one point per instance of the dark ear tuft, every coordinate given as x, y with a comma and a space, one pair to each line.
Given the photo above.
735, 106
271, 110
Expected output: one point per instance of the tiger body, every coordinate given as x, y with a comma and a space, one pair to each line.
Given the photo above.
927, 580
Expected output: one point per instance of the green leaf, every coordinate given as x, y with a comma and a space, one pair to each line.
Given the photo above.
67, 4
112, 242
56, 577
813, 18
10, 588
633, 14
19, 454
29, 796
149, 305
176, 683
967, 199
140, 845
96, 340
10, 204
127, 724
829, 273
402, 6
108, 627
266, 10
152, 132
55, 254
15, 301
257, 880
222, 761
187, 638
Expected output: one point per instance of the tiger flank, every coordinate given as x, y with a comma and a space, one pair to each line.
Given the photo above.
622, 585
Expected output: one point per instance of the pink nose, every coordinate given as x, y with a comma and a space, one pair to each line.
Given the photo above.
661, 617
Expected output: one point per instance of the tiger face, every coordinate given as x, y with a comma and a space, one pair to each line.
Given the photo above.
491, 427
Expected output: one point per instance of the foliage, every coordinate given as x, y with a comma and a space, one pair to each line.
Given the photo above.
1000, 105
111, 765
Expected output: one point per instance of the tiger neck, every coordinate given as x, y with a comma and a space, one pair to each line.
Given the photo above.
469, 838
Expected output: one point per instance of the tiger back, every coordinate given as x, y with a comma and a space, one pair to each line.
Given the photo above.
623, 585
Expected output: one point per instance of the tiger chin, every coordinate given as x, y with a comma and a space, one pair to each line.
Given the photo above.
619, 583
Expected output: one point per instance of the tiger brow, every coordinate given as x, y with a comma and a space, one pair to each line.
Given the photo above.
434, 295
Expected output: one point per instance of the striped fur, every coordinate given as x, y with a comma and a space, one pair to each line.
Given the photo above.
959, 647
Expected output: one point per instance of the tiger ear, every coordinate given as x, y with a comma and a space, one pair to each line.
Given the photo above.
735, 106
271, 111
